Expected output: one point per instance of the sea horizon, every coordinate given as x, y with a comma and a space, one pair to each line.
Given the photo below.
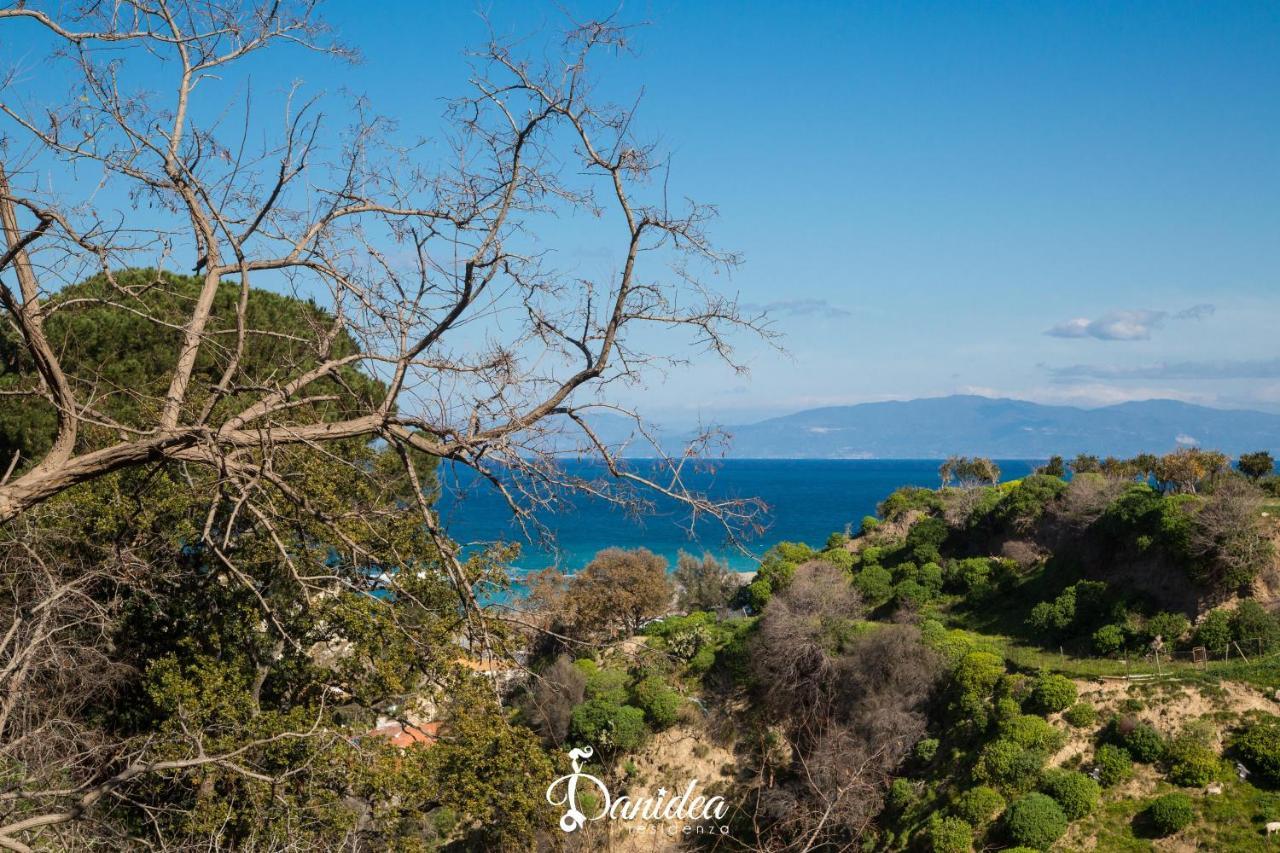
802, 507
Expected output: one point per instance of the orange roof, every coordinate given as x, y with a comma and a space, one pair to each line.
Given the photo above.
404, 736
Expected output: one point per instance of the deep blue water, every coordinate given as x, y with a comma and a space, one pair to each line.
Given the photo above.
808, 499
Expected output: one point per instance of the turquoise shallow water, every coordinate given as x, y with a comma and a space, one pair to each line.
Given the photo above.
808, 499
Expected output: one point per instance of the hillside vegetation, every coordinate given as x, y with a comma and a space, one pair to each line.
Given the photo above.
1082, 662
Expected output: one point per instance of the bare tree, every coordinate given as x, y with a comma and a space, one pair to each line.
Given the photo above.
485, 348
1226, 539
550, 698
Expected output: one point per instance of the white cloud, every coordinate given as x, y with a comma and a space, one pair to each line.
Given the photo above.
1116, 326
1133, 325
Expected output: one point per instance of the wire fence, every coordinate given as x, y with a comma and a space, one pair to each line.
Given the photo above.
1248, 657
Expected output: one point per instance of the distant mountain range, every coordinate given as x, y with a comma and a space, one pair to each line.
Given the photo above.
1009, 429
937, 427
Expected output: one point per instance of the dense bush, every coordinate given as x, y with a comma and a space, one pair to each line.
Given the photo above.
926, 749
1076, 609
1008, 764
1082, 715
839, 557
1114, 764
906, 499
1143, 517
972, 576
1033, 732
1109, 640
1254, 628
609, 684
1141, 739
1259, 747
1071, 789
1170, 627
901, 795
973, 680
978, 672
608, 726
979, 806
1170, 813
1192, 763
1214, 631
949, 835
925, 538
1052, 692
875, 584
929, 576
1035, 821
911, 594
659, 702
1028, 500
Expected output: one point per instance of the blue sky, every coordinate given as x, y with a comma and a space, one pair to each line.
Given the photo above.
1074, 202
923, 192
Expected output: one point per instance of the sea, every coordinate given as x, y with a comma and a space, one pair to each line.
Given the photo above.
806, 500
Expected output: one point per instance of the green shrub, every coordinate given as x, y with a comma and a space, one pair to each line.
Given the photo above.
875, 584
1114, 764
1082, 715
1254, 628
1077, 608
906, 499
911, 594
1032, 732
659, 702
608, 684
1142, 741
869, 523
608, 726
1007, 709
1214, 631
925, 538
978, 672
901, 795
1170, 627
1259, 747
949, 835
1052, 692
1035, 821
1008, 764
839, 557
1170, 813
1027, 501
979, 806
1109, 640
1190, 758
926, 749
1071, 789
929, 576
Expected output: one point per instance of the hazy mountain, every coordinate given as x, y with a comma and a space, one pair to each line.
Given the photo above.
1011, 429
